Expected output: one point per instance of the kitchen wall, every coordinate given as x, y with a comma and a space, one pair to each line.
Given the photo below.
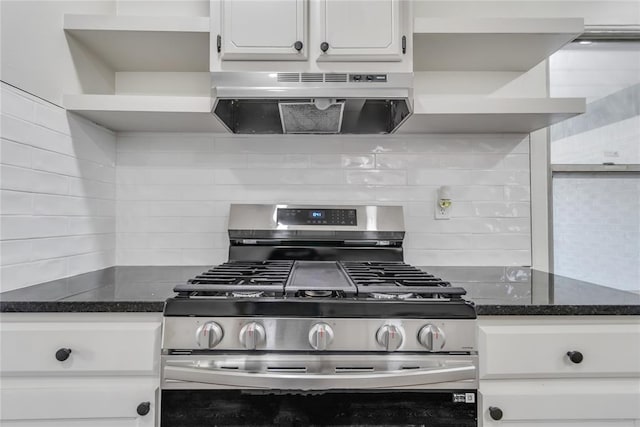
58, 192
174, 190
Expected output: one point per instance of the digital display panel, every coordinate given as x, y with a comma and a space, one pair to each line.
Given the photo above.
291, 216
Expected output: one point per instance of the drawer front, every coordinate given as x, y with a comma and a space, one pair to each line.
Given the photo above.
575, 400
96, 347
106, 405
538, 351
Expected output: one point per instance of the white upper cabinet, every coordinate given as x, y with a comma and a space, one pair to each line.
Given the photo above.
356, 30
263, 30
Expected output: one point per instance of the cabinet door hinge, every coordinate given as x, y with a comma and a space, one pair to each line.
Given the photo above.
404, 45
219, 43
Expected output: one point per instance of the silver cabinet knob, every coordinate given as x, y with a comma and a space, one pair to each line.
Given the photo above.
252, 335
208, 335
320, 336
432, 337
390, 337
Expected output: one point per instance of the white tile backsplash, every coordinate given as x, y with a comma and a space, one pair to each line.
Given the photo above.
174, 190
76, 197
58, 192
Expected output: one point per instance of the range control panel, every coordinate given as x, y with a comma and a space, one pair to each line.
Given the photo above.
317, 217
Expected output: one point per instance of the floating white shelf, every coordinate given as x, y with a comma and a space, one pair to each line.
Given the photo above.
459, 114
146, 113
144, 43
489, 44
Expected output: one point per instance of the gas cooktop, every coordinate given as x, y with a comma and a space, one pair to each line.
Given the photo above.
318, 279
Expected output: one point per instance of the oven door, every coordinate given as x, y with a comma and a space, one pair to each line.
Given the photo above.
235, 389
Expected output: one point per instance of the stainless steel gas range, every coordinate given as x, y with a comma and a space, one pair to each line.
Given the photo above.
316, 320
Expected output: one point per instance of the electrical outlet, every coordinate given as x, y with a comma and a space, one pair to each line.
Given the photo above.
442, 213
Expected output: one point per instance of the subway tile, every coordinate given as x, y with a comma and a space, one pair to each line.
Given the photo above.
277, 161
77, 264
15, 251
46, 204
148, 256
268, 144
501, 241
47, 139
88, 188
501, 209
516, 162
441, 144
64, 246
20, 275
28, 227
516, 193
16, 202
16, 130
132, 240
15, 154
91, 225
51, 117
372, 144
376, 177
149, 192
277, 176
203, 256
16, 105
58, 206
164, 141
407, 161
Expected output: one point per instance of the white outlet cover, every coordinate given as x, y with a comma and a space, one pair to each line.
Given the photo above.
441, 213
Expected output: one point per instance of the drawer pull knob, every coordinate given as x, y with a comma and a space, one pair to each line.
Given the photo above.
298, 45
575, 356
324, 46
63, 354
495, 413
143, 408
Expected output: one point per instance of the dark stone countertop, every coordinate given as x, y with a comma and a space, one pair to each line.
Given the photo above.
495, 291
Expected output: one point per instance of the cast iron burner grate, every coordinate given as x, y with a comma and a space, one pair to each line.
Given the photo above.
248, 279
397, 280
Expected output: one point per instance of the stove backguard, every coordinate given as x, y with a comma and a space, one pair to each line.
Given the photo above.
315, 233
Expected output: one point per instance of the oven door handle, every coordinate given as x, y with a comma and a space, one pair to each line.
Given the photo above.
291, 381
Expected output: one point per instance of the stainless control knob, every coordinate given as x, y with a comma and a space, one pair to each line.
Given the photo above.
432, 337
208, 335
252, 335
320, 336
390, 337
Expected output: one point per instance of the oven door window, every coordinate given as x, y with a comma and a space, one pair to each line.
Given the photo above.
182, 408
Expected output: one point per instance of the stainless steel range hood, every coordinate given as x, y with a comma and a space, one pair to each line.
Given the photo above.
312, 103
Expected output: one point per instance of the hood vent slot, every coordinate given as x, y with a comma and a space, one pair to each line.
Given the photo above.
312, 77
335, 78
288, 77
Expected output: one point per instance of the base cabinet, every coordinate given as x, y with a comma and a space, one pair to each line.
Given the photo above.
123, 403
612, 402
530, 374
79, 369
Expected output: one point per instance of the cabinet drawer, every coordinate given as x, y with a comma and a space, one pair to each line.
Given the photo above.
30, 348
102, 405
540, 350
556, 401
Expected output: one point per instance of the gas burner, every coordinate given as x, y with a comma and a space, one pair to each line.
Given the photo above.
254, 294
392, 296
316, 294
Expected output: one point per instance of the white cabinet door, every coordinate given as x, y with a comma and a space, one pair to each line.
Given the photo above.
540, 350
578, 402
357, 30
60, 404
263, 29
30, 348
